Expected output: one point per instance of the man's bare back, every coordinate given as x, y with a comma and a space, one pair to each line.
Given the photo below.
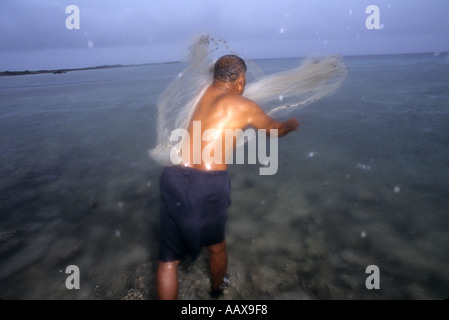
223, 107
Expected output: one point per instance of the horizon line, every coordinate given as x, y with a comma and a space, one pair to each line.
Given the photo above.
110, 66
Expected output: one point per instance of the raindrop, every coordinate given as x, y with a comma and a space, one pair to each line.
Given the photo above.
281, 97
117, 233
120, 204
90, 44
396, 189
350, 11
363, 166
282, 30
363, 234
311, 154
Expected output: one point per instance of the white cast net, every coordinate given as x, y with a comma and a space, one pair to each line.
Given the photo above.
278, 94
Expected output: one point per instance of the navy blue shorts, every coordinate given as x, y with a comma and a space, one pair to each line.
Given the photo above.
194, 207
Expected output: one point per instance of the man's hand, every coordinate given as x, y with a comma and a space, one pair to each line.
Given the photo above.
287, 126
292, 124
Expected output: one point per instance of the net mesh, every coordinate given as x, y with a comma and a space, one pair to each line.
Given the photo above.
278, 94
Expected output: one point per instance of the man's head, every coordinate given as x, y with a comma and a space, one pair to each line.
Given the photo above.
230, 68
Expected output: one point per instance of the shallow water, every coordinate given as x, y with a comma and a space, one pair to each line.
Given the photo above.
364, 182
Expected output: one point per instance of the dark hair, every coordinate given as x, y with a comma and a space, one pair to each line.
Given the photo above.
229, 68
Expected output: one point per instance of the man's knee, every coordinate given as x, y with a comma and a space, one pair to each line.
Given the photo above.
217, 248
168, 266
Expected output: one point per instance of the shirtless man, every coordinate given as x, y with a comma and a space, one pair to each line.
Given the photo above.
195, 195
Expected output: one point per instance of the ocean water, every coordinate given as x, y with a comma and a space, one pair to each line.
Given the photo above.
364, 182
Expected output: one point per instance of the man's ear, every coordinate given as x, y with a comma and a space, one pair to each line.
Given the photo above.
242, 81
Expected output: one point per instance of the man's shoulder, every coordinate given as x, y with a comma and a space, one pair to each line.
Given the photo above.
236, 101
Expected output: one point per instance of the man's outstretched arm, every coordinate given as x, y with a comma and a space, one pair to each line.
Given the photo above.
260, 120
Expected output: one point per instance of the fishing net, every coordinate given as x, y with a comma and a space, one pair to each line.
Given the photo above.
278, 94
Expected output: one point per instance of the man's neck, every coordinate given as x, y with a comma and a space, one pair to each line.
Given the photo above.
225, 87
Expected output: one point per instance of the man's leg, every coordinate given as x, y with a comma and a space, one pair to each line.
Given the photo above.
167, 280
218, 264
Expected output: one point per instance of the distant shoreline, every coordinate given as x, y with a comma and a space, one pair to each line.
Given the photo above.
62, 71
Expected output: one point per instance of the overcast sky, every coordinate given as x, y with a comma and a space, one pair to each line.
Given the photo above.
33, 33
